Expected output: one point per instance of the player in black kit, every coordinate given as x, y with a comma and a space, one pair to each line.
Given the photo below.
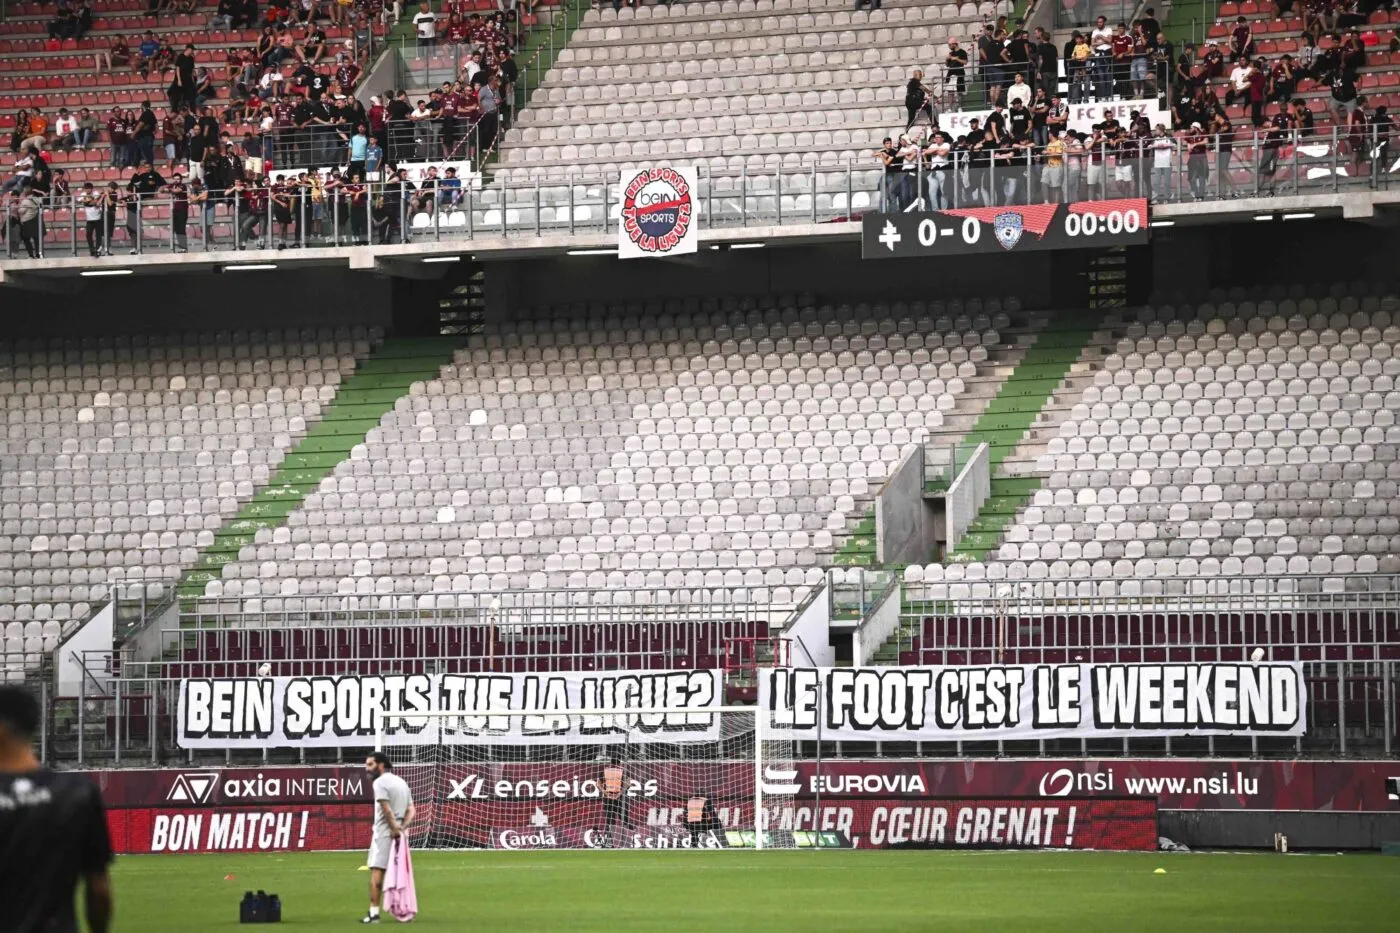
53, 832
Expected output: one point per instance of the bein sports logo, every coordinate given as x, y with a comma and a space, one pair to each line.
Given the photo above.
656, 210
1063, 782
196, 787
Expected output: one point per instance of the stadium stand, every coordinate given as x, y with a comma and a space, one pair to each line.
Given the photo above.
741, 88
122, 458
677, 447
1250, 436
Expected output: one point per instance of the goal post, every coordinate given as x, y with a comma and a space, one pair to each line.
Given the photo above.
652, 777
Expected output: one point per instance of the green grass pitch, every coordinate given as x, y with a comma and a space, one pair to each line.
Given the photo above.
769, 892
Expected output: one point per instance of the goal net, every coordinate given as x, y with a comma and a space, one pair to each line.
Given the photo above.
594, 779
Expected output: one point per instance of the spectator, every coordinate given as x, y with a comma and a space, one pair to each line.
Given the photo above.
1197, 169
182, 85
224, 14
1040, 116
1100, 64
1074, 165
1121, 53
955, 66
1057, 118
1274, 137
918, 99
1017, 54
25, 206
36, 132
489, 99
989, 60
1212, 64
1306, 64
83, 15
357, 206
144, 134
1079, 69
90, 203
283, 195
1019, 90
88, 127
1163, 152
1241, 41
179, 196
1162, 64
425, 22
358, 146
65, 130
22, 175
1047, 62
1222, 133
1239, 84
64, 25
1140, 71
146, 50
1357, 140
1052, 173
144, 185
1381, 129
1282, 80
1150, 25
347, 74
41, 174
1018, 119
888, 156
910, 157
508, 72
249, 204
425, 127
1258, 92
450, 189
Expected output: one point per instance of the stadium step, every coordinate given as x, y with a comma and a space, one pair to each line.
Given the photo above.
379, 381
1005, 424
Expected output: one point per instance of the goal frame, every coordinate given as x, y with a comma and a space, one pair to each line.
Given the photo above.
755, 711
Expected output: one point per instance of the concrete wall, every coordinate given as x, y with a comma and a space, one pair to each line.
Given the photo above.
906, 524
967, 494
832, 271
880, 623
204, 301
811, 632
1236, 829
1195, 259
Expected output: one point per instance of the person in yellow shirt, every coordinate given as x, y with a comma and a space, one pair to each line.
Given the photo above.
1052, 175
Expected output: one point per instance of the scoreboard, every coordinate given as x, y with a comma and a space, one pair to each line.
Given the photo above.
1021, 228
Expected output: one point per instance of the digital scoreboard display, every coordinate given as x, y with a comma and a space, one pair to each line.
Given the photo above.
1021, 228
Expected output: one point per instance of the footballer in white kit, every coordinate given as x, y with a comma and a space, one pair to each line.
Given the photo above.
393, 812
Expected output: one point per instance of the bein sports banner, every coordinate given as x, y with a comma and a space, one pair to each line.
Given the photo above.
336, 711
659, 214
1063, 701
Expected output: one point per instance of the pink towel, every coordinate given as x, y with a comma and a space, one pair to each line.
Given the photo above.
400, 898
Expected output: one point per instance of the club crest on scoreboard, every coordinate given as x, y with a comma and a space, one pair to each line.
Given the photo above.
1008, 227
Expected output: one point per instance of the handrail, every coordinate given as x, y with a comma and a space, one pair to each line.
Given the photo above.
576, 202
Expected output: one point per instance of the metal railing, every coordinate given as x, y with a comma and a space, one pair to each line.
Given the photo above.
576, 202
1352, 712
